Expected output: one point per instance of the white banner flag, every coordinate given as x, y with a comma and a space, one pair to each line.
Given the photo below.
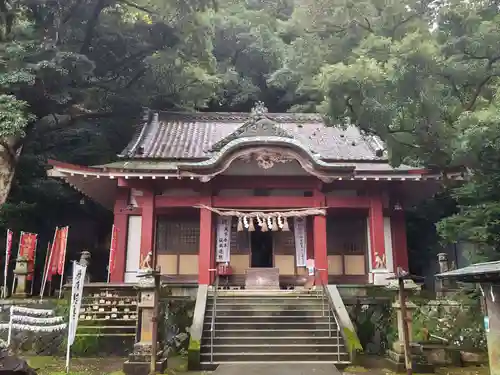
76, 299
223, 239
76, 302
299, 231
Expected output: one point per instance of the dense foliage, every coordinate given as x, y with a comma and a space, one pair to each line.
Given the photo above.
421, 74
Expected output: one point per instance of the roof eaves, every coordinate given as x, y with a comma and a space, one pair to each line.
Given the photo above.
147, 119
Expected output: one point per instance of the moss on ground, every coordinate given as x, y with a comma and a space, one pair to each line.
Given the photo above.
98, 366
178, 366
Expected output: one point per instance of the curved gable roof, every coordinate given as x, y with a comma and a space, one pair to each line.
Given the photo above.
167, 135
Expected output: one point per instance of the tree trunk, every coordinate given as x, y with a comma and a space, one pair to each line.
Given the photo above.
8, 161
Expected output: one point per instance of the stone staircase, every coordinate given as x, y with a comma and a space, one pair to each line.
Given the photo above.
277, 326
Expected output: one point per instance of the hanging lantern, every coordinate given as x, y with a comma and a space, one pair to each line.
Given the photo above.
240, 225
251, 227
275, 225
285, 227
245, 222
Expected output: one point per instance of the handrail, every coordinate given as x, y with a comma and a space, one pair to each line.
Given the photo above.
331, 312
214, 313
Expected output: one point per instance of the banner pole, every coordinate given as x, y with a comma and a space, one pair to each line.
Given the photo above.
8, 246
70, 322
9, 337
49, 264
112, 250
64, 261
45, 267
34, 265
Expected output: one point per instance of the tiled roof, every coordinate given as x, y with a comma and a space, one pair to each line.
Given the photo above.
167, 135
474, 270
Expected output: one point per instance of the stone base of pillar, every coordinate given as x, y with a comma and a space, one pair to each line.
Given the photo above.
139, 361
396, 359
380, 277
20, 291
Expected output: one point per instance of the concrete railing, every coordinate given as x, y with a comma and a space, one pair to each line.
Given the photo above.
347, 328
196, 330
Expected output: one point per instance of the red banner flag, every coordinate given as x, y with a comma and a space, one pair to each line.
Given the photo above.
8, 247
63, 241
54, 255
112, 250
27, 249
27, 245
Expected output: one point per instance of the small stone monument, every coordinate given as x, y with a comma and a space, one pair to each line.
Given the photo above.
21, 276
441, 284
85, 261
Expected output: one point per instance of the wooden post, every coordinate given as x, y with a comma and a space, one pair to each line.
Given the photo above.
154, 322
406, 334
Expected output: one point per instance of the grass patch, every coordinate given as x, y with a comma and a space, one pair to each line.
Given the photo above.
99, 366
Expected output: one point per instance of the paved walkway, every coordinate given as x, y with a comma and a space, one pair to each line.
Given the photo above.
277, 369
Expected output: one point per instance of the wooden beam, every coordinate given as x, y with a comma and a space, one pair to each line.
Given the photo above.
347, 202
260, 202
264, 182
263, 202
166, 201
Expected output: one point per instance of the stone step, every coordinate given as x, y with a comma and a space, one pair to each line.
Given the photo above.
266, 299
252, 320
221, 326
270, 341
264, 306
265, 293
269, 332
282, 348
275, 356
208, 366
258, 311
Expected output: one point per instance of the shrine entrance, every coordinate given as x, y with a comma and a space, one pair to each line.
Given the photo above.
261, 244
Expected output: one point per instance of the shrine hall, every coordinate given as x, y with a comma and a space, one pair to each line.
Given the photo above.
255, 190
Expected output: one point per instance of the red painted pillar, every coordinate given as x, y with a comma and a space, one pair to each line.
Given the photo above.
148, 224
399, 241
121, 223
310, 236
319, 238
377, 241
206, 245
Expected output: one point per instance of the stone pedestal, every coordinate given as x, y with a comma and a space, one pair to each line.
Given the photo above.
139, 362
396, 355
381, 277
262, 278
21, 276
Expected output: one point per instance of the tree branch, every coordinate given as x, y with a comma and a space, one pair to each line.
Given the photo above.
71, 11
91, 25
9, 152
366, 27
136, 6
454, 87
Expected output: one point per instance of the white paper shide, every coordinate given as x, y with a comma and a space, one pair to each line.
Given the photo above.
299, 231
